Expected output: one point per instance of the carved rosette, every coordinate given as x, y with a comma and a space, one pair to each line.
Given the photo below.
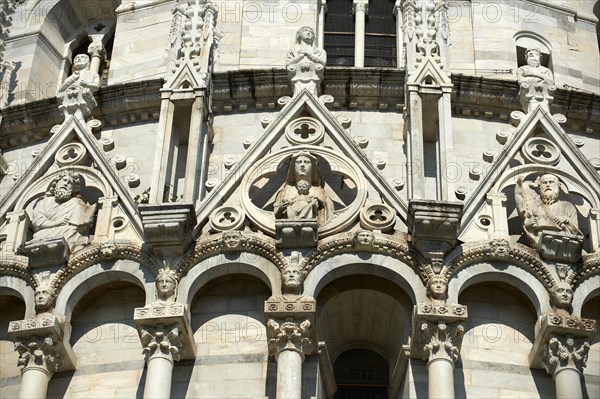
290, 334
161, 341
442, 340
565, 351
39, 352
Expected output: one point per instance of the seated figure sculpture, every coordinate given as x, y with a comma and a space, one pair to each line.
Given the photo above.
302, 196
61, 213
536, 82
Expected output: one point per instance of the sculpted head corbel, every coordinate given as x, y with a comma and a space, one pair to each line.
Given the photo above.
44, 299
437, 288
166, 285
561, 296
363, 240
231, 240
292, 275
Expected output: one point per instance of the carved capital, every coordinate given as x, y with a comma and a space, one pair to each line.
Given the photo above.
360, 5
168, 227
161, 341
290, 334
441, 340
165, 331
565, 351
39, 352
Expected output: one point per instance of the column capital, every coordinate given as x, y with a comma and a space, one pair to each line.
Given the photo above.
565, 352
438, 331
290, 334
360, 5
40, 344
165, 331
561, 342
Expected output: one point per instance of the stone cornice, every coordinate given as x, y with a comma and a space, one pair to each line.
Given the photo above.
499, 250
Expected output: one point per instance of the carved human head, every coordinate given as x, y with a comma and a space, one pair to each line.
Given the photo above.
232, 239
533, 57
561, 295
108, 249
65, 186
303, 166
549, 188
437, 288
44, 298
166, 285
305, 34
363, 239
81, 61
292, 275
303, 187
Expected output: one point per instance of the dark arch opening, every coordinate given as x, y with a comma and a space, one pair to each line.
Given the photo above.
361, 374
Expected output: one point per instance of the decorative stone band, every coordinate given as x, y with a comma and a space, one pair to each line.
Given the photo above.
285, 306
290, 334
437, 331
165, 330
557, 339
40, 343
565, 351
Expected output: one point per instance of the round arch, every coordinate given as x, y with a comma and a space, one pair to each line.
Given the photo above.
585, 291
376, 265
510, 274
14, 286
99, 274
220, 265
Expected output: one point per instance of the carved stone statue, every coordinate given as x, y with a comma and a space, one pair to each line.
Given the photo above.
437, 288
306, 62
166, 285
363, 240
536, 82
293, 275
303, 196
61, 213
542, 212
77, 91
44, 299
561, 296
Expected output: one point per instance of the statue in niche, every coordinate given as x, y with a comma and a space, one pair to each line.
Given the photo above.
44, 300
79, 88
306, 62
302, 196
437, 289
561, 296
166, 285
541, 210
62, 212
536, 81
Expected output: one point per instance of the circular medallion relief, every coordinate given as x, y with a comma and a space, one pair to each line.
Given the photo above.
305, 130
541, 151
332, 192
377, 217
227, 218
71, 154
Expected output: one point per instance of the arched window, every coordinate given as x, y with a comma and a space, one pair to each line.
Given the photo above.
527, 40
339, 33
361, 374
380, 34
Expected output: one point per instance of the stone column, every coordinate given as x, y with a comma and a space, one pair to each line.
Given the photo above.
97, 53
399, 35
166, 336
164, 136
195, 150
561, 348
291, 335
42, 352
360, 8
437, 337
322, 4
289, 342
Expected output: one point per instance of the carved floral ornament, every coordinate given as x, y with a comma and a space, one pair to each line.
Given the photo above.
268, 181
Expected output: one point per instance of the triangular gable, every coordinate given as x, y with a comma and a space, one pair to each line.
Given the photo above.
524, 131
270, 137
429, 68
70, 129
185, 72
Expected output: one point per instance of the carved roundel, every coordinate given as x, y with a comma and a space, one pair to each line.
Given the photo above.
227, 218
305, 130
71, 154
342, 182
377, 217
541, 151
